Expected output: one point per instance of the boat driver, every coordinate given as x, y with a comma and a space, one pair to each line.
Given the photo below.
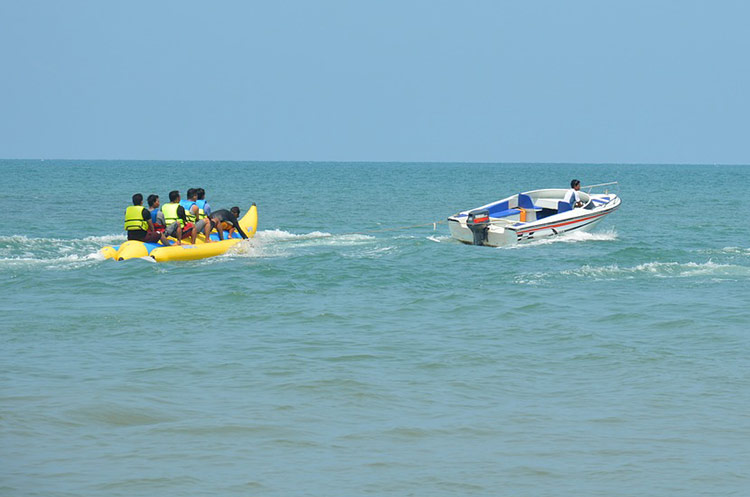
572, 196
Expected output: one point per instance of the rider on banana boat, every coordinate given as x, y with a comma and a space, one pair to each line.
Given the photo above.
139, 225
226, 219
193, 215
203, 207
157, 216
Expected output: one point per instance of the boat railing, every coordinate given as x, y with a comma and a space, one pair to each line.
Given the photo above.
599, 185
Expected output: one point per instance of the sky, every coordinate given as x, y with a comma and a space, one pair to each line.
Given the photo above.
462, 81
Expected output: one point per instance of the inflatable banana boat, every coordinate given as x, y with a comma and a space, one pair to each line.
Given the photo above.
185, 252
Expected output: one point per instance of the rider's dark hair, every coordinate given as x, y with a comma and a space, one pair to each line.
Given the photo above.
574, 183
137, 199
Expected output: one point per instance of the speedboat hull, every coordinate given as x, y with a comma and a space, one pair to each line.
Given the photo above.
529, 216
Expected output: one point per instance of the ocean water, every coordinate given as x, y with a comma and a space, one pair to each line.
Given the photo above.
352, 348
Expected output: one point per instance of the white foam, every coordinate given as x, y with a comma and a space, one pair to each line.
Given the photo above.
312, 238
438, 239
572, 237
111, 239
66, 262
280, 243
281, 235
372, 253
661, 270
728, 251
251, 248
655, 269
51, 253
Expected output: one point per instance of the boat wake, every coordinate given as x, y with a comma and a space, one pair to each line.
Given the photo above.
572, 237
317, 237
18, 251
280, 243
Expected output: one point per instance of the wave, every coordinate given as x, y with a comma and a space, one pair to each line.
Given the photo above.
708, 269
727, 251
664, 270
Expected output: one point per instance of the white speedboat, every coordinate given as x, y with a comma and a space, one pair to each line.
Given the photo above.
531, 216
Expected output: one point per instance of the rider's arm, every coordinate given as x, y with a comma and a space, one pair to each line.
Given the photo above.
237, 226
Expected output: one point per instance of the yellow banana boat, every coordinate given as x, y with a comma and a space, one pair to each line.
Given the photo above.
186, 252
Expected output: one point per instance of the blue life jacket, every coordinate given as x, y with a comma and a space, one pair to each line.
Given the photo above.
187, 204
202, 208
153, 215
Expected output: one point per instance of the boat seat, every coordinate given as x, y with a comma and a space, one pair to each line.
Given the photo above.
563, 206
525, 202
505, 213
498, 207
502, 209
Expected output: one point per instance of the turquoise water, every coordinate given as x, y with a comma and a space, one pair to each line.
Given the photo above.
337, 355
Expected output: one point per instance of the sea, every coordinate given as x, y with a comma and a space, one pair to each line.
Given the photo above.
353, 348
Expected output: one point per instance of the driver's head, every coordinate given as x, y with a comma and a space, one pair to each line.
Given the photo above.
575, 184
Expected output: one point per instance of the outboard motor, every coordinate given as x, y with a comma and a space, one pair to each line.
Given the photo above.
479, 224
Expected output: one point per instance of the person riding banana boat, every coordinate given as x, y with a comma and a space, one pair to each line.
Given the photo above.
204, 209
194, 216
180, 222
157, 217
224, 219
148, 229
139, 224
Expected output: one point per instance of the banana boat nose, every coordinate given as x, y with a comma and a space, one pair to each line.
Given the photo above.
130, 250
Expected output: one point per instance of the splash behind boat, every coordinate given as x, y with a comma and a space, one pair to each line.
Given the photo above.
530, 216
185, 252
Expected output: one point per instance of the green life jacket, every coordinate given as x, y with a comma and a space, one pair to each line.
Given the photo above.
134, 218
170, 214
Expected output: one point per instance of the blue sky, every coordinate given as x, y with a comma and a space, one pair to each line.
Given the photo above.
473, 81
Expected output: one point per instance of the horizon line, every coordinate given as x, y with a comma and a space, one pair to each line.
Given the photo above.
318, 161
